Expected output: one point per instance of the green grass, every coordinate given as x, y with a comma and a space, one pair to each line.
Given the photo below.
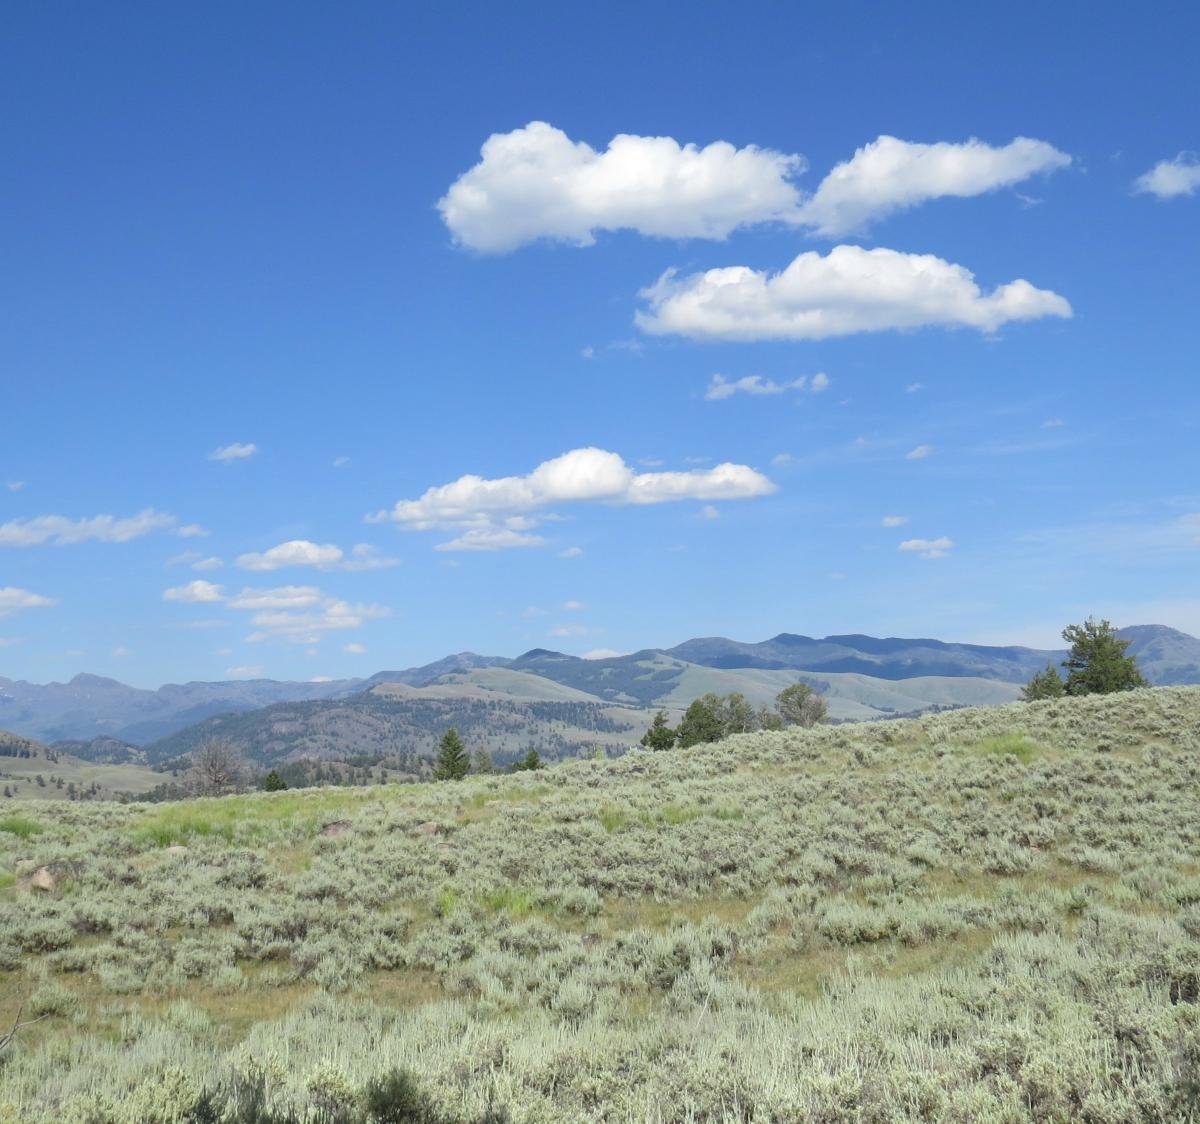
1020, 746
21, 826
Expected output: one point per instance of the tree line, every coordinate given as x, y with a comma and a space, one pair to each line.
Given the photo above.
712, 717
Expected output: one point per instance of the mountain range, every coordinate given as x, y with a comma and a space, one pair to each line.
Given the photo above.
555, 701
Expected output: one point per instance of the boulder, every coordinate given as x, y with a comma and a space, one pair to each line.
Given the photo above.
43, 879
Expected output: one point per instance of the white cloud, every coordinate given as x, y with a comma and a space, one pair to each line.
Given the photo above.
537, 183
846, 291
708, 511
330, 614
212, 563
720, 388
193, 531
15, 485
121, 652
603, 654
1053, 423
493, 512
779, 460
281, 597
364, 556
491, 538
195, 593
571, 552
919, 453
340, 462
928, 548
1171, 178
913, 387
296, 613
574, 606
13, 600
234, 452
895, 520
62, 531
354, 649
890, 174
245, 671
296, 552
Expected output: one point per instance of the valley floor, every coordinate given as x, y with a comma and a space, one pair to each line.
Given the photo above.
982, 915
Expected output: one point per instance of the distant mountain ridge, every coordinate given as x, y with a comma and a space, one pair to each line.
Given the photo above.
866, 676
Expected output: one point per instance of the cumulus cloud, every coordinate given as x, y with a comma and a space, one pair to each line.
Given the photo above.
354, 649
296, 552
235, 452
720, 388
536, 182
211, 563
890, 174
301, 552
13, 600
59, 530
193, 531
603, 654
15, 485
498, 514
571, 552
1171, 178
919, 453
195, 593
848, 290
928, 548
295, 613
895, 520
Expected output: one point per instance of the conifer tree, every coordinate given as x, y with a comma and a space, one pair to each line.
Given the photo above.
453, 761
1097, 663
660, 735
1046, 684
273, 782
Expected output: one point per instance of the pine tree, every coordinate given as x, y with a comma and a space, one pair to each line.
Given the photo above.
660, 735
273, 782
801, 705
1046, 684
453, 761
702, 722
483, 762
1097, 663
531, 761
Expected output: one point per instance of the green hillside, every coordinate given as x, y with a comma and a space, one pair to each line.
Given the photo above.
982, 915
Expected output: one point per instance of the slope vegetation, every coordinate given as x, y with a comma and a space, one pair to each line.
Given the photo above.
982, 915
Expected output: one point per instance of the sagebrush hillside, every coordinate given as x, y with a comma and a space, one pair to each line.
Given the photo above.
983, 915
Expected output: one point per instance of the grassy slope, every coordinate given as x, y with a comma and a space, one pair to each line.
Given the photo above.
19, 774
981, 915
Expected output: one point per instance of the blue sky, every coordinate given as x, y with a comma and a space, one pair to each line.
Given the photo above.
222, 230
